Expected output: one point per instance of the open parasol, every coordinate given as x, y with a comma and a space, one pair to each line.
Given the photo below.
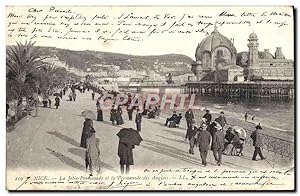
129, 136
242, 132
88, 114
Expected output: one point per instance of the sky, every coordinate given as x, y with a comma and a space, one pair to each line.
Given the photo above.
270, 35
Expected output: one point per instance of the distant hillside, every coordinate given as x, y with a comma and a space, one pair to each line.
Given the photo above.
83, 60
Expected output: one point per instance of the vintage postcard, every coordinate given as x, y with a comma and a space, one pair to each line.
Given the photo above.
150, 98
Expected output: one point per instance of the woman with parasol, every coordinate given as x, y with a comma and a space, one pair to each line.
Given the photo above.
128, 138
87, 127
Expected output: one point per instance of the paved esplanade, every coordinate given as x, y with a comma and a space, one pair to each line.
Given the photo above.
51, 141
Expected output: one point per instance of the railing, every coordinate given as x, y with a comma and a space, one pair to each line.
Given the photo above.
147, 83
275, 145
278, 146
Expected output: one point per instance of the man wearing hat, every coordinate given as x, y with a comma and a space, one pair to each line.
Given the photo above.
203, 140
218, 142
191, 135
257, 143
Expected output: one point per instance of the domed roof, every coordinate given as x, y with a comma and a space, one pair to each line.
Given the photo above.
253, 36
265, 55
211, 42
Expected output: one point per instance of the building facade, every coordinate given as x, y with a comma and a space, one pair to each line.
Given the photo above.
217, 60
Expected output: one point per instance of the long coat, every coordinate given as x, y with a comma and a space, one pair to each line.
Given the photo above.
221, 120
191, 132
203, 140
87, 127
257, 140
138, 118
113, 115
125, 154
93, 153
57, 101
218, 141
189, 116
119, 117
207, 116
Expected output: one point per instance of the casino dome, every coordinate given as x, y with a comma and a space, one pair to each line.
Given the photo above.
213, 41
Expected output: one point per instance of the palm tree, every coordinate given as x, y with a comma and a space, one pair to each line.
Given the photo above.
46, 78
22, 60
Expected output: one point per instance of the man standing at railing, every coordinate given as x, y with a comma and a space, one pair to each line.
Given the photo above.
257, 143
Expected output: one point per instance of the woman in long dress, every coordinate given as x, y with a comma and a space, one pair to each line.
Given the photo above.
119, 116
86, 131
99, 112
113, 115
92, 155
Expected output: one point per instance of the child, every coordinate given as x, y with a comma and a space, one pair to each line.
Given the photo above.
92, 153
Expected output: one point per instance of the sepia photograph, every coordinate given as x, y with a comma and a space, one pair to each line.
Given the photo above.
150, 98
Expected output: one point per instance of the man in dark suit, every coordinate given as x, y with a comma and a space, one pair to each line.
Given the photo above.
203, 140
138, 120
189, 116
191, 134
257, 143
218, 141
207, 116
222, 120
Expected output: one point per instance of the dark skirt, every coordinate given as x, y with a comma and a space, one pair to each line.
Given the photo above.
99, 115
125, 154
119, 119
112, 117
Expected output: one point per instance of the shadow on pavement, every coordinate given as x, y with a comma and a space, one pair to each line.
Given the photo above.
65, 138
66, 160
171, 151
173, 140
175, 133
81, 153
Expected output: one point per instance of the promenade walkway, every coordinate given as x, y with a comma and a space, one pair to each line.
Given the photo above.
51, 141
